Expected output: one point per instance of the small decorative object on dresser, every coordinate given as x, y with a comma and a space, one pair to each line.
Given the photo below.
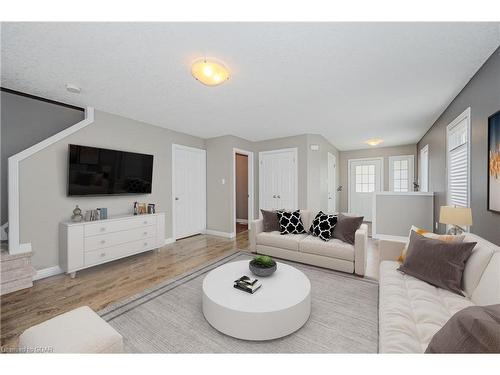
77, 215
262, 265
151, 208
142, 208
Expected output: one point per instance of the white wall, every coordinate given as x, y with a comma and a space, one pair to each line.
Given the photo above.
43, 180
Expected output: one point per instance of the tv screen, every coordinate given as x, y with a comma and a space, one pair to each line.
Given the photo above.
99, 171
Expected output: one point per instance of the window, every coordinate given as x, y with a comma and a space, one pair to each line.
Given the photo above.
401, 173
457, 136
424, 168
365, 178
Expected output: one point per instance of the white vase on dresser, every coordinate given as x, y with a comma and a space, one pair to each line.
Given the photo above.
87, 244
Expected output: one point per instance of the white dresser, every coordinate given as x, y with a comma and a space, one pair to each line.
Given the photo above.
90, 243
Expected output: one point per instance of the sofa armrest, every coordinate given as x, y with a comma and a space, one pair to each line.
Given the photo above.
256, 227
390, 250
360, 249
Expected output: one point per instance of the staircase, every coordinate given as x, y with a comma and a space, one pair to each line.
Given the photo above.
16, 272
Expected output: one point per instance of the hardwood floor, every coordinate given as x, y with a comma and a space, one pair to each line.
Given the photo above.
100, 286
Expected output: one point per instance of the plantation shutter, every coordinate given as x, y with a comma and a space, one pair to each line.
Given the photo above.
458, 165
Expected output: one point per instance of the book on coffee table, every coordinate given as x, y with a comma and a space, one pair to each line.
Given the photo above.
247, 284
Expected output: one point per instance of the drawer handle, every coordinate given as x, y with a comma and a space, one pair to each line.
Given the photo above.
145, 222
103, 241
145, 244
103, 229
103, 254
145, 233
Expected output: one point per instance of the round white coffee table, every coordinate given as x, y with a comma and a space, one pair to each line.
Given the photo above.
281, 306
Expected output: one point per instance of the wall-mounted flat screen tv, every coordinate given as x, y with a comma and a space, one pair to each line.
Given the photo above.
99, 171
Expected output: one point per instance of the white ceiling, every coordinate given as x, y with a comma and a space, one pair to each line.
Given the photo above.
346, 81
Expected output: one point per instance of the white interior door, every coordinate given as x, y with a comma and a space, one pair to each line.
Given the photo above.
365, 178
332, 172
278, 179
424, 168
189, 190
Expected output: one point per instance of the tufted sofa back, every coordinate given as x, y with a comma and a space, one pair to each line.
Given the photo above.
481, 278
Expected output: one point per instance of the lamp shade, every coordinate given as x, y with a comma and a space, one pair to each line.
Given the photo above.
455, 215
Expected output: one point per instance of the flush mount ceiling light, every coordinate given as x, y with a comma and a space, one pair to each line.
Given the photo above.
73, 88
209, 71
374, 141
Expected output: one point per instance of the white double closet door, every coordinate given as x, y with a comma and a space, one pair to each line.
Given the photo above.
278, 179
188, 191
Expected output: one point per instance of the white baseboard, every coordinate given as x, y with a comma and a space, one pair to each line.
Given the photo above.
220, 234
169, 240
47, 272
242, 221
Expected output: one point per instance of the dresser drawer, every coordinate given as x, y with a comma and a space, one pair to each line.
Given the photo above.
119, 225
111, 239
116, 252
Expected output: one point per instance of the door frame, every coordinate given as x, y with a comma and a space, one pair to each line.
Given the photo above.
349, 164
334, 178
295, 156
249, 154
420, 172
204, 182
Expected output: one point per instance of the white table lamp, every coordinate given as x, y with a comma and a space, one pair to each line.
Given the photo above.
455, 216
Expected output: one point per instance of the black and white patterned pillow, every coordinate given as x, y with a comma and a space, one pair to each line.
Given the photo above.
290, 222
323, 225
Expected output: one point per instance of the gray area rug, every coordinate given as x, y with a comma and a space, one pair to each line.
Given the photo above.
168, 317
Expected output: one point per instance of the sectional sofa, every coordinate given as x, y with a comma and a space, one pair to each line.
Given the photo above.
305, 248
411, 311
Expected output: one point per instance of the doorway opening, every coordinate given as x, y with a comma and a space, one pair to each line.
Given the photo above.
243, 190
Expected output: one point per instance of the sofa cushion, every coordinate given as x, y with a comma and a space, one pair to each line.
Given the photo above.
333, 248
290, 222
346, 227
426, 233
411, 311
437, 262
270, 221
477, 262
323, 225
283, 241
475, 329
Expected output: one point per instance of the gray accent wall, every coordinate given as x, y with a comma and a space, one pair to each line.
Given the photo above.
482, 95
25, 122
375, 152
43, 180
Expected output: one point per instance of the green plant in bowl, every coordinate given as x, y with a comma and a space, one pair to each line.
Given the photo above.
264, 261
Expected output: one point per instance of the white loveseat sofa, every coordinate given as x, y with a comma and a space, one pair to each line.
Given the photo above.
411, 311
305, 248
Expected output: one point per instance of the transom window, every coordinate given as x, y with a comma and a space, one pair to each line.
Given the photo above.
401, 173
365, 178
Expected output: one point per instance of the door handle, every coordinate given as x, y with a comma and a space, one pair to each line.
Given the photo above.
278, 197
274, 195
176, 198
